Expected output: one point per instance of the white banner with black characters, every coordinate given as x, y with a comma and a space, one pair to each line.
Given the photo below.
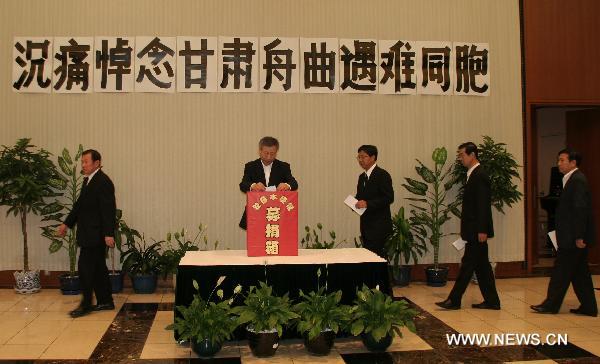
197, 64
249, 64
280, 65
114, 65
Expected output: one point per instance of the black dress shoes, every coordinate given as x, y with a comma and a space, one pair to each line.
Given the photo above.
580, 311
448, 305
104, 306
80, 311
485, 306
543, 309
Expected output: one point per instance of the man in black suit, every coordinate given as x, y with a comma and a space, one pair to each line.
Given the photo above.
266, 171
574, 234
94, 213
374, 192
476, 227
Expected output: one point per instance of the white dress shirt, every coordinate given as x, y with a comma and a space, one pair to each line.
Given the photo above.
471, 170
370, 170
567, 176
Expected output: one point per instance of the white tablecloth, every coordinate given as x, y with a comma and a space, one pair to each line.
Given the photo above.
305, 256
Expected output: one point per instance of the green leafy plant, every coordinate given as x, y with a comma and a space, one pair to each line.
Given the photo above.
502, 169
141, 258
56, 210
263, 311
206, 320
402, 243
177, 244
27, 178
430, 211
378, 314
314, 238
320, 311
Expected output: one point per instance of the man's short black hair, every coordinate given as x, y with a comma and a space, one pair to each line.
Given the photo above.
94, 153
370, 150
470, 148
268, 142
573, 155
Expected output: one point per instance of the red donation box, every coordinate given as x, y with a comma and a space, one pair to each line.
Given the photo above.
272, 219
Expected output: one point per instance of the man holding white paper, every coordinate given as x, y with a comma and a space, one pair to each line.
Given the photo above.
375, 194
574, 233
476, 227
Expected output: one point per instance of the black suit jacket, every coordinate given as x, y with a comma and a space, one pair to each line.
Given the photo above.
476, 214
94, 212
254, 173
574, 215
376, 222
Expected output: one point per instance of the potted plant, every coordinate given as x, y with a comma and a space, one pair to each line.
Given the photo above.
402, 243
265, 315
142, 262
321, 317
378, 318
55, 212
430, 211
204, 323
314, 239
177, 244
121, 229
27, 178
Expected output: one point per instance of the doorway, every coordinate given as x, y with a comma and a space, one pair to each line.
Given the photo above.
556, 127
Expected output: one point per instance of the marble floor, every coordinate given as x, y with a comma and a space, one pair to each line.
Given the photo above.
37, 329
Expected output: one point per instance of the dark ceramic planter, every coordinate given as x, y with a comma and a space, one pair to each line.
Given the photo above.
320, 345
116, 281
378, 346
144, 283
401, 276
205, 349
263, 344
69, 285
436, 277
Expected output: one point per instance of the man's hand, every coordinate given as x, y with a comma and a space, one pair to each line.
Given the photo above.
283, 187
109, 241
362, 204
258, 187
61, 230
482, 237
580, 244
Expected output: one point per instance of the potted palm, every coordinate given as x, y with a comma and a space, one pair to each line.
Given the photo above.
142, 261
55, 211
430, 210
204, 323
264, 315
402, 243
378, 318
27, 178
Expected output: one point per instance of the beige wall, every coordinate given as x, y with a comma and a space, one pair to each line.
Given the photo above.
176, 160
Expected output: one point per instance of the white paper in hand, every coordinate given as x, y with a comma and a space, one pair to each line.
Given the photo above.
350, 201
552, 236
459, 244
271, 189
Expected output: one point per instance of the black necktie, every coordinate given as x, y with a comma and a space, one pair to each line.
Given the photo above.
85, 181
